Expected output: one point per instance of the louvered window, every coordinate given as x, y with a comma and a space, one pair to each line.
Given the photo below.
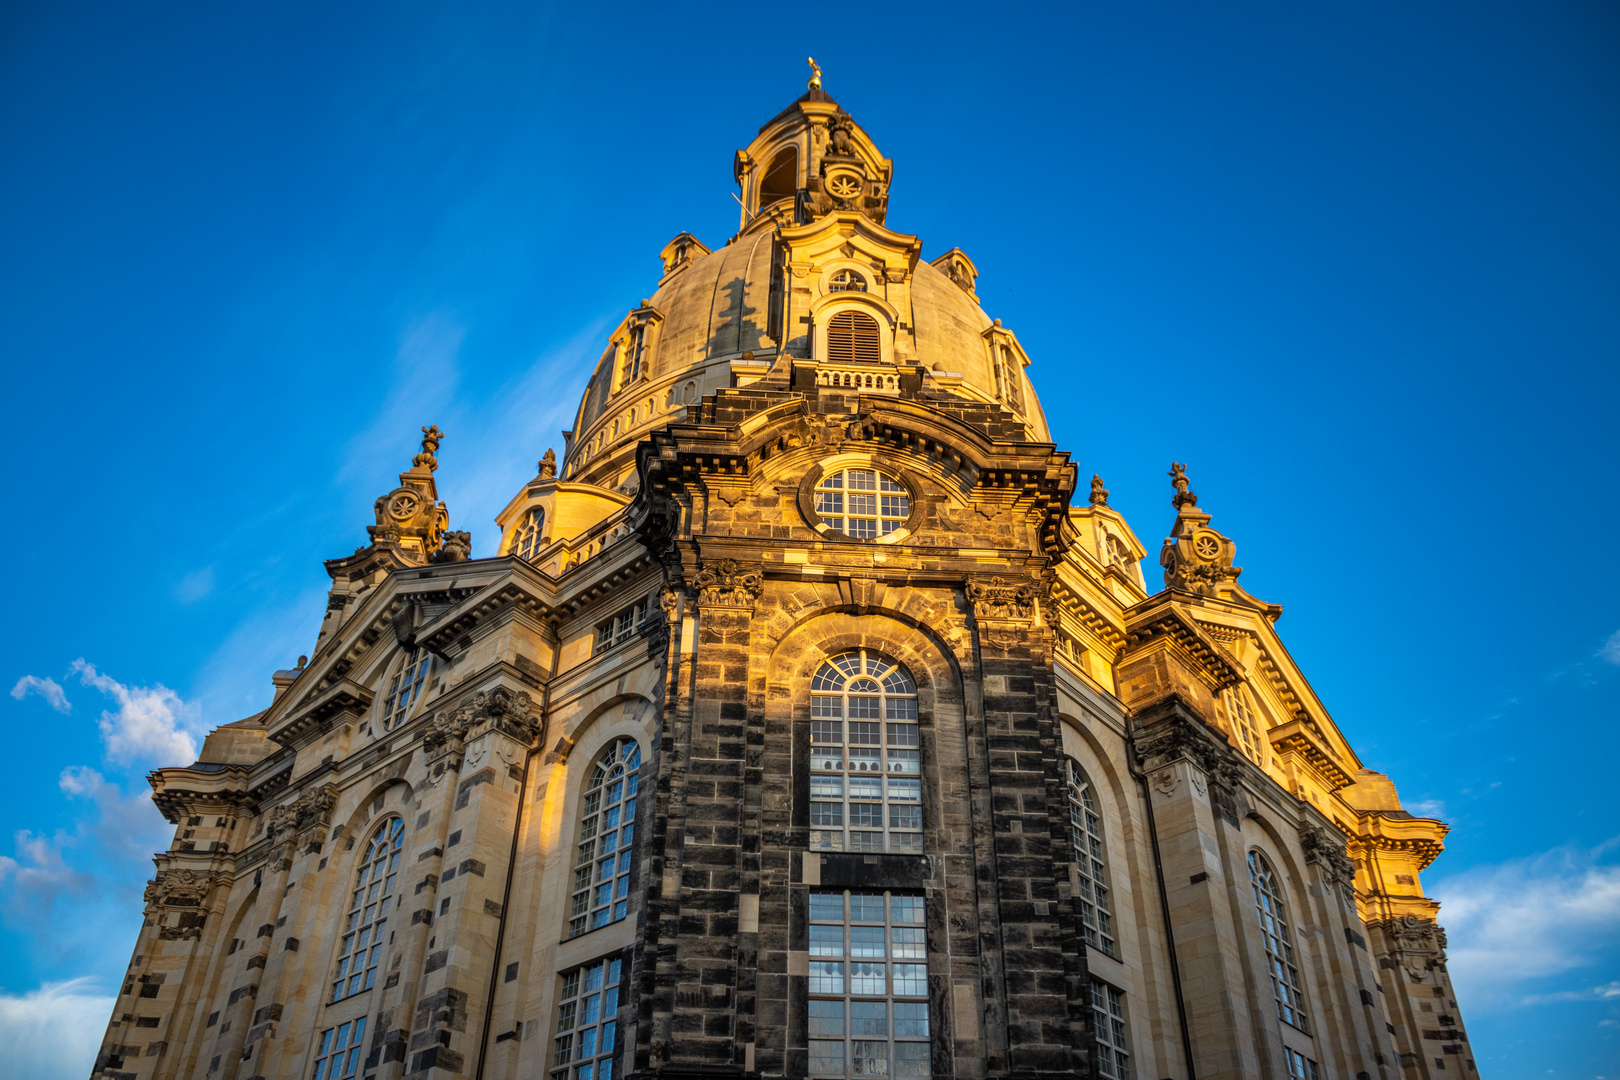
853, 336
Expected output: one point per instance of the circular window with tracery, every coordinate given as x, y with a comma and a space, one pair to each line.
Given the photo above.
863, 503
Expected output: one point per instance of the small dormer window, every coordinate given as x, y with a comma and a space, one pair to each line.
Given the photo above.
1012, 390
853, 336
528, 541
847, 281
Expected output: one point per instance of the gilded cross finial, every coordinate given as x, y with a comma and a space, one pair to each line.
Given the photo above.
431, 438
1178, 477
815, 77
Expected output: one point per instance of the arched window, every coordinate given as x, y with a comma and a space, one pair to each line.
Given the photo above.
1268, 902
1085, 831
607, 826
1012, 380
863, 503
865, 756
360, 948
853, 336
1240, 714
781, 180
528, 543
405, 687
847, 281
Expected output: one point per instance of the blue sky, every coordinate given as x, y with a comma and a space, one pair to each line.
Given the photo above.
1357, 265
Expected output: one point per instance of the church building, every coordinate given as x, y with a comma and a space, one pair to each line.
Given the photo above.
805, 724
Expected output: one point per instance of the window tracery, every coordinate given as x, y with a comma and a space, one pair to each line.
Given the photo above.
1268, 902
528, 541
405, 687
865, 756
360, 948
607, 824
1090, 857
847, 281
863, 503
1242, 717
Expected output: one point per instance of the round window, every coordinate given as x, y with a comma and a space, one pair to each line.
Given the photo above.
863, 503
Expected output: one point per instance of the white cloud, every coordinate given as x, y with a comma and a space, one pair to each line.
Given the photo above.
1611, 649
53, 1033
73, 890
1528, 919
195, 585
45, 688
152, 724
1432, 808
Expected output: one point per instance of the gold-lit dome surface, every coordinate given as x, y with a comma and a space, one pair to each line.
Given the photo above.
760, 304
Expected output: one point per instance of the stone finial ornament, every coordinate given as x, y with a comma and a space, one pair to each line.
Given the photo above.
457, 548
1099, 493
815, 73
548, 465
431, 438
1178, 477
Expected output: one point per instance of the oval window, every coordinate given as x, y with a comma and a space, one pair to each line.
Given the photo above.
863, 503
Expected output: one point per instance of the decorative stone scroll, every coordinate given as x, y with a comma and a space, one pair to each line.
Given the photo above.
1001, 600
509, 712
1326, 850
729, 584
1419, 944
183, 888
311, 810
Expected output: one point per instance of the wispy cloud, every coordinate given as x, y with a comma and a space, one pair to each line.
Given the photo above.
1607, 992
195, 585
1530, 919
152, 724
1610, 653
53, 1033
45, 688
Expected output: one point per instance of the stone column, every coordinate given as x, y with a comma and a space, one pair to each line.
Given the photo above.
689, 1005
1025, 921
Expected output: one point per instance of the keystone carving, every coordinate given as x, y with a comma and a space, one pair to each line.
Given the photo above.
997, 598
729, 584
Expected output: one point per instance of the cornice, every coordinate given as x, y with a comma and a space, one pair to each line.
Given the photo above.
1099, 625
1397, 831
318, 710
1166, 625
1298, 740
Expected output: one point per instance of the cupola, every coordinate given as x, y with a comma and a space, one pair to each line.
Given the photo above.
810, 160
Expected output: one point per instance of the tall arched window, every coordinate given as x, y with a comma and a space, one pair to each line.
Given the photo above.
853, 336
781, 179
865, 756
1268, 901
528, 541
1085, 831
1012, 380
405, 687
360, 948
607, 826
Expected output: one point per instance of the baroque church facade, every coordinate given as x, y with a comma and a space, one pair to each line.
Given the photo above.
806, 724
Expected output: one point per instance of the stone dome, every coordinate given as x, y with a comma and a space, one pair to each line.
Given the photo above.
807, 273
